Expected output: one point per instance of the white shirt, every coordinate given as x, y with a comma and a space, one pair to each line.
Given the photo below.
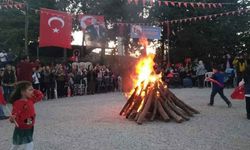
36, 77
247, 95
3, 57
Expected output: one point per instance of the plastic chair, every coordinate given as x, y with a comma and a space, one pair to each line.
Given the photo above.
206, 82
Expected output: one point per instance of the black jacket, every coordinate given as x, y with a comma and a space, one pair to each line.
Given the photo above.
247, 80
9, 77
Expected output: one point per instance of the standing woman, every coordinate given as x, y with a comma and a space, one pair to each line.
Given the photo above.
200, 73
247, 88
8, 81
60, 80
2, 101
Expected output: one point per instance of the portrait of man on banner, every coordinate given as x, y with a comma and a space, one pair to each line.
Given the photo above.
94, 30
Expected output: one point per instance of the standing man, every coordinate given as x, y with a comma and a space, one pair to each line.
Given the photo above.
240, 65
25, 70
218, 87
247, 89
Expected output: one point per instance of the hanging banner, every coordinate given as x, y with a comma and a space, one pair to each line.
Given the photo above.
148, 32
94, 30
55, 28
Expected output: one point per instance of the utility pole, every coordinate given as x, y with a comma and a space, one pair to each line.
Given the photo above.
26, 51
168, 42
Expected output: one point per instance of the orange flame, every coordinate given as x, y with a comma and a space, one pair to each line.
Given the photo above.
145, 74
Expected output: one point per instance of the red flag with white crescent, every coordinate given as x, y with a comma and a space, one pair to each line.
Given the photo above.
55, 28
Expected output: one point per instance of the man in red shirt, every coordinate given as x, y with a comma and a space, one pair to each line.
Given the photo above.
25, 70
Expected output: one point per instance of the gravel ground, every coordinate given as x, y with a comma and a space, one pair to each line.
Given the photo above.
93, 123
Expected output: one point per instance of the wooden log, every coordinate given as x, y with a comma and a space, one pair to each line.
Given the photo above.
161, 111
129, 101
143, 100
135, 103
189, 107
132, 115
183, 107
147, 105
177, 99
167, 93
167, 100
170, 112
138, 99
154, 110
176, 110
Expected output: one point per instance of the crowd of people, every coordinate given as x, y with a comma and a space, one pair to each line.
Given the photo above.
194, 73
60, 80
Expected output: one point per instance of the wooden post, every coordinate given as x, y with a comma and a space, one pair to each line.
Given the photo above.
37, 52
65, 54
168, 42
102, 54
26, 51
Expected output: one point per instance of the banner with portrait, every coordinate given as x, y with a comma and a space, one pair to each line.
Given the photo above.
94, 30
149, 32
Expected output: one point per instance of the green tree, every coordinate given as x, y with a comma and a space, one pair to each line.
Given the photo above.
12, 26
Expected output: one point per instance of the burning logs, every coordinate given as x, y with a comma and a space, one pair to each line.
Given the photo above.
152, 101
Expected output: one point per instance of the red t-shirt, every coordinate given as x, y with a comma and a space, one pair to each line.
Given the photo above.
25, 71
24, 110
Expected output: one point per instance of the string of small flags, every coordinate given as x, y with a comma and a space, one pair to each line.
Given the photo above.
179, 4
191, 19
11, 5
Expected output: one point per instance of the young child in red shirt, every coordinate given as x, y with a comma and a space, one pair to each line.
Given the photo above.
23, 114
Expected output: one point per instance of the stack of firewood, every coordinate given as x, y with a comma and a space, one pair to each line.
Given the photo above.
155, 100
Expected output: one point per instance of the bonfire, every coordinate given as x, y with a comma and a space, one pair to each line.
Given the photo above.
151, 99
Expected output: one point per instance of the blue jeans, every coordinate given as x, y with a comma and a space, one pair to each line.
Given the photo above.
1, 111
7, 92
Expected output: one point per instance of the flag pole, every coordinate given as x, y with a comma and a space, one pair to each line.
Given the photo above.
26, 51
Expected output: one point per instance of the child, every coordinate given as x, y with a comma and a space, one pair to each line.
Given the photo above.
23, 114
218, 87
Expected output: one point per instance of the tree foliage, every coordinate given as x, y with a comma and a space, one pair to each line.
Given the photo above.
227, 34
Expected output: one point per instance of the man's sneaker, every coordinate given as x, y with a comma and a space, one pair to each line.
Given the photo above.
229, 105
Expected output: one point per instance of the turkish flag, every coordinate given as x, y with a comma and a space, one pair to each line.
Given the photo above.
238, 93
55, 28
